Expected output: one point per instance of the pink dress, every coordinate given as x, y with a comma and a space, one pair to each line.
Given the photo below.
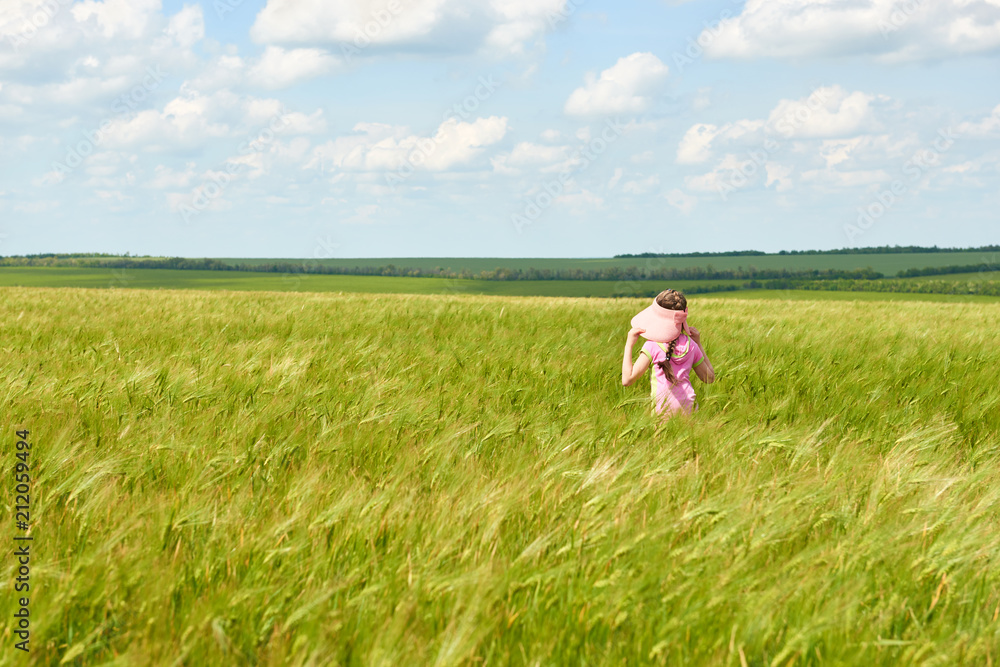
679, 396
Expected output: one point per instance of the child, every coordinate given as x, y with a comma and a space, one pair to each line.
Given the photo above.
673, 348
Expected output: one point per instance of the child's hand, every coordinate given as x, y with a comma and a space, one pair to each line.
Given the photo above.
694, 334
634, 333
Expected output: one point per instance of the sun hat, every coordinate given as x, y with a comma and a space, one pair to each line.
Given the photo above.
662, 325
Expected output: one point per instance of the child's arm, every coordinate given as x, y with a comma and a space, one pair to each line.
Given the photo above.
703, 370
631, 372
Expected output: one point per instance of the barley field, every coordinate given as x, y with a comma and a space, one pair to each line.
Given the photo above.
224, 478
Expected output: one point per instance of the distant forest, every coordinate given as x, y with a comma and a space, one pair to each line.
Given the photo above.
879, 250
609, 273
179, 262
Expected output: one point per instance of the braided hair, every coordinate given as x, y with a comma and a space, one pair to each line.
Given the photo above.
671, 300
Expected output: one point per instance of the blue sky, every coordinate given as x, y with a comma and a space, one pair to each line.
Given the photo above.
373, 128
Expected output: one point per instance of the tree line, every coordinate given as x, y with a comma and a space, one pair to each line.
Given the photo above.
612, 273
873, 250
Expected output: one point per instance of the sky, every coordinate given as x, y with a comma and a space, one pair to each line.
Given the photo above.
496, 128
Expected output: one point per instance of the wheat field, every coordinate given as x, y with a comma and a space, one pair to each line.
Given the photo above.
226, 478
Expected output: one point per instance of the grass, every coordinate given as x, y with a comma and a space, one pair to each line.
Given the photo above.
257, 478
824, 295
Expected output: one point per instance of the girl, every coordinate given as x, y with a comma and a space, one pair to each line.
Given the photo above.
673, 348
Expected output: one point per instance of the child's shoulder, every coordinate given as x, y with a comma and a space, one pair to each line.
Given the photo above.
651, 348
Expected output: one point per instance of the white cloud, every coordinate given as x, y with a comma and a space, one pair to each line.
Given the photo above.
644, 157
526, 154
184, 122
497, 27
720, 174
626, 87
779, 175
124, 19
187, 27
363, 215
892, 30
828, 112
224, 71
617, 176
278, 68
379, 147
987, 127
582, 202
167, 178
640, 187
832, 179
696, 145
682, 201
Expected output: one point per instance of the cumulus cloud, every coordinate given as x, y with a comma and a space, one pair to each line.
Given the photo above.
696, 145
889, 29
190, 120
274, 69
380, 147
279, 68
187, 27
183, 122
626, 87
44, 40
496, 27
829, 111
128, 19
545, 158
831, 140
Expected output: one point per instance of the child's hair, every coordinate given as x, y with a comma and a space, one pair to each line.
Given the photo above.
671, 300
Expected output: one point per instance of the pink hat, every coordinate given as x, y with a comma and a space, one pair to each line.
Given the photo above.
662, 325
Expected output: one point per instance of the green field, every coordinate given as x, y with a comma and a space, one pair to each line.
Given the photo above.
962, 277
889, 263
822, 295
227, 478
34, 276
